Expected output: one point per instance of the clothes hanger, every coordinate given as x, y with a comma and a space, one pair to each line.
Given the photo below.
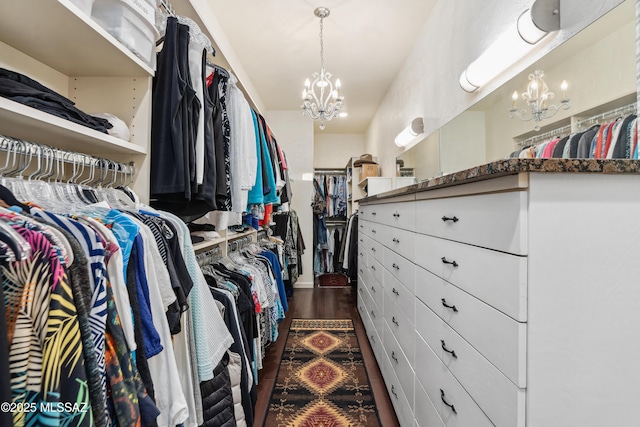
19, 246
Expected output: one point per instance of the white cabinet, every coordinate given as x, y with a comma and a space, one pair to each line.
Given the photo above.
519, 304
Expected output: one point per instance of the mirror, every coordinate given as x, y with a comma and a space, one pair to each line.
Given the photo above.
599, 64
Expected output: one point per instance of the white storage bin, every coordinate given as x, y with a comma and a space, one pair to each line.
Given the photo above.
83, 5
132, 23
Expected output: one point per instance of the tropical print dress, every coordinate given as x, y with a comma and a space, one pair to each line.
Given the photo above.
48, 378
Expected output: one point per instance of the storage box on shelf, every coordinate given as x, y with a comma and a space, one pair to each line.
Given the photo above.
368, 170
132, 22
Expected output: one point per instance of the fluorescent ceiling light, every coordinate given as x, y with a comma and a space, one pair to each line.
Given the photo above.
512, 45
410, 133
528, 30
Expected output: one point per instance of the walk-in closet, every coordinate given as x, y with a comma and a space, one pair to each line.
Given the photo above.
417, 213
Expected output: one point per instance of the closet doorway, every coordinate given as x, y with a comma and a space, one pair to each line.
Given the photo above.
330, 228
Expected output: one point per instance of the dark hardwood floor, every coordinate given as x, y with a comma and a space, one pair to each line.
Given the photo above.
323, 303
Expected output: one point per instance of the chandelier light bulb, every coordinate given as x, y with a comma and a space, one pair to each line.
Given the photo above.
563, 87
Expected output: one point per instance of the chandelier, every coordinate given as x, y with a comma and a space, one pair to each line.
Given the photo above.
321, 99
537, 97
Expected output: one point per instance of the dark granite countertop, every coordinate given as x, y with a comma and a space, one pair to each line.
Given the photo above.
515, 166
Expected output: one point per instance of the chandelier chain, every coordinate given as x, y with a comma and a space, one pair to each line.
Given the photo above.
321, 44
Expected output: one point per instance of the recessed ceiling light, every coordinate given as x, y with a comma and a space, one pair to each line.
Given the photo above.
343, 114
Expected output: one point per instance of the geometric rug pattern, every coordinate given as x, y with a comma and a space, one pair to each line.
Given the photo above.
322, 380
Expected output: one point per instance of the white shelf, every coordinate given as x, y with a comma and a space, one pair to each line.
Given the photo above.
231, 235
22, 122
58, 34
371, 178
208, 244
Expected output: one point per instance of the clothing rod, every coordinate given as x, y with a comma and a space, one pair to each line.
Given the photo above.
620, 111
562, 131
167, 6
19, 148
335, 221
330, 172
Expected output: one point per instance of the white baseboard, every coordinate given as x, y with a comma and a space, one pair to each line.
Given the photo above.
303, 285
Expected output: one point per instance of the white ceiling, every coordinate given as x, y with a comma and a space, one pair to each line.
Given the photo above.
365, 43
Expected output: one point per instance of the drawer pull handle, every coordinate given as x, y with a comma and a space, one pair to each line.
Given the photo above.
452, 307
395, 266
394, 357
373, 231
451, 352
373, 339
373, 249
373, 313
393, 391
393, 319
361, 240
362, 226
373, 289
395, 292
453, 219
396, 240
361, 271
396, 215
442, 396
373, 213
373, 267
453, 263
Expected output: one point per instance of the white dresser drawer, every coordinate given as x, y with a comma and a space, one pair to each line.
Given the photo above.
400, 326
368, 228
377, 345
368, 212
400, 365
400, 295
496, 336
425, 411
400, 241
499, 398
400, 215
496, 278
496, 221
377, 317
376, 291
376, 270
364, 302
453, 403
397, 396
401, 268
372, 247
375, 231
363, 255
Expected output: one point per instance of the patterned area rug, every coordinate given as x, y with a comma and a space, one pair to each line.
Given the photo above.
322, 380
333, 280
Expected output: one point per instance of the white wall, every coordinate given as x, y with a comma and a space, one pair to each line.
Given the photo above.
333, 150
455, 34
294, 134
